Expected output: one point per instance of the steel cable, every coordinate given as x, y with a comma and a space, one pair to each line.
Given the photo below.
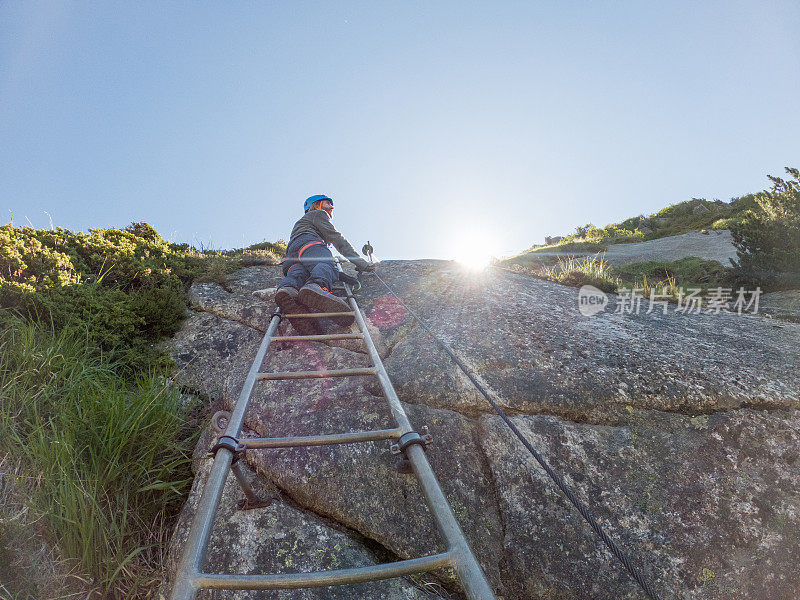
615, 550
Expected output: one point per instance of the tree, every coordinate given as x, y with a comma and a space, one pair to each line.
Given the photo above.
768, 238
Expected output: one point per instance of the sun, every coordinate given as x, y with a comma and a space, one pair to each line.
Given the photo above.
474, 259
472, 250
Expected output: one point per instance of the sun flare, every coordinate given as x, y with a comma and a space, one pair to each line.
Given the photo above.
472, 251
473, 259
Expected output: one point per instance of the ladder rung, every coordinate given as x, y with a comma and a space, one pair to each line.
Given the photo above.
319, 337
318, 374
318, 315
322, 578
323, 440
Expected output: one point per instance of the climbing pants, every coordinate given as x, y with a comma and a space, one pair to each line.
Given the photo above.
308, 260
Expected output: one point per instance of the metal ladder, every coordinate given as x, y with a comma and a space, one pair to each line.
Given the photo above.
189, 578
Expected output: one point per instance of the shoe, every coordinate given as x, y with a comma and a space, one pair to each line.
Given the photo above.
287, 300
321, 300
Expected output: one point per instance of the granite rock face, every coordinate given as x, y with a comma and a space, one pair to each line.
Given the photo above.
527, 341
679, 432
705, 507
205, 351
716, 244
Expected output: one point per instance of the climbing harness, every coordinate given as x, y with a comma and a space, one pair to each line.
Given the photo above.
189, 577
553, 475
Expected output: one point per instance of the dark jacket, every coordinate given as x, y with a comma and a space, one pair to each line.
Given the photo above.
317, 223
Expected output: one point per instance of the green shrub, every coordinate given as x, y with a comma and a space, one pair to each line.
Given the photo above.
160, 307
768, 237
600, 238
728, 223
277, 248
664, 277
125, 289
560, 247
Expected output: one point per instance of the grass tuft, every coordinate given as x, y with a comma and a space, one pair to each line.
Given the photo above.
111, 455
587, 270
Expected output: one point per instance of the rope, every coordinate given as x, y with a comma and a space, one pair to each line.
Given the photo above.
553, 475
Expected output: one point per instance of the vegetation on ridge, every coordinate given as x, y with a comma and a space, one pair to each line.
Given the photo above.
765, 229
124, 288
692, 215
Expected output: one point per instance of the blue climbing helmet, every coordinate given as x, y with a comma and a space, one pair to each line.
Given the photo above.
311, 199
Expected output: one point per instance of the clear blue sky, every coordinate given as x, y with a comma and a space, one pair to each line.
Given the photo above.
431, 124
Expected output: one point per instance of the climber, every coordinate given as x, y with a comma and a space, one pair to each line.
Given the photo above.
309, 269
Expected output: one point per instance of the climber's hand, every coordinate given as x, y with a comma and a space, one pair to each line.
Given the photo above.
348, 279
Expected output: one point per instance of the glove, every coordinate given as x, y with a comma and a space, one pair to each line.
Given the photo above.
349, 279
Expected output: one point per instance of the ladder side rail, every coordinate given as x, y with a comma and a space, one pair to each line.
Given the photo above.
194, 549
468, 571
398, 413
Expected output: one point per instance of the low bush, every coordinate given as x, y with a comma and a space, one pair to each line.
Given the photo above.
727, 223
124, 288
688, 272
570, 247
663, 277
591, 238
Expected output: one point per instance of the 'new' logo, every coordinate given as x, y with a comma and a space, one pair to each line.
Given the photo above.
591, 300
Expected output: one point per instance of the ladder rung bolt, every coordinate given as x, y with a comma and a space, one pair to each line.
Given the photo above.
229, 443
411, 438
219, 422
